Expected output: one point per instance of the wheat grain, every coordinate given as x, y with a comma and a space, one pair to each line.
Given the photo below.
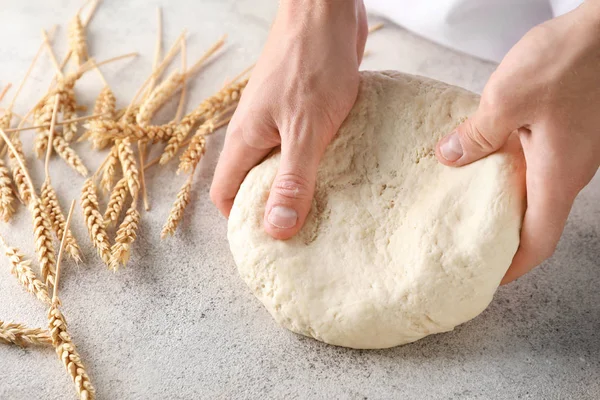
77, 43
94, 221
116, 202
126, 235
129, 166
67, 353
62, 148
19, 175
176, 214
21, 269
158, 97
43, 241
58, 220
109, 172
19, 334
6, 193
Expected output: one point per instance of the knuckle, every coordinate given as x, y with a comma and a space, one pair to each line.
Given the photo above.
293, 187
479, 139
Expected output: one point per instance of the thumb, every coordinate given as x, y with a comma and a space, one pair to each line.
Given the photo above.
480, 135
292, 191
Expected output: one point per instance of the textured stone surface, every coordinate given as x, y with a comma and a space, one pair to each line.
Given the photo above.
179, 323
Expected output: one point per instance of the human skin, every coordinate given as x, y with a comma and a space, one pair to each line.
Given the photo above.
547, 89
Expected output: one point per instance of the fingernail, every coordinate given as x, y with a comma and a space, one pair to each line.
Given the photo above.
282, 217
451, 149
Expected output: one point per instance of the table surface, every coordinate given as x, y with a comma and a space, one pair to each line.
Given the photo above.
178, 322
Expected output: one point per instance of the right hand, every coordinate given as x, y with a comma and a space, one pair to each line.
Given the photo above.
301, 90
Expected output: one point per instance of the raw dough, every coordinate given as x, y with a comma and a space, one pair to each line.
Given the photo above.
397, 246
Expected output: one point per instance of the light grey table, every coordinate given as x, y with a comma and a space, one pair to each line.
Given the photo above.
179, 323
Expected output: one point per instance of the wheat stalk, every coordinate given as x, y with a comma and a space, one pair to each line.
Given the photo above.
6, 193
58, 220
19, 334
19, 175
21, 269
176, 214
116, 202
62, 148
126, 235
109, 172
77, 43
67, 353
43, 242
158, 97
129, 166
94, 221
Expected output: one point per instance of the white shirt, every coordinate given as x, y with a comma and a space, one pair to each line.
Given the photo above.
483, 28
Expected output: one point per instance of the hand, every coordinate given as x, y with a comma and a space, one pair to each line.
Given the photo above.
301, 90
548, 89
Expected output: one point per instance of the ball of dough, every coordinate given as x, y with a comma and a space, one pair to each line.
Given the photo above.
397, 246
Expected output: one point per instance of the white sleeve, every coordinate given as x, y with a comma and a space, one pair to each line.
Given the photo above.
560, 7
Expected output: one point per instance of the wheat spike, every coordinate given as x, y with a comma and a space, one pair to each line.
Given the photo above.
43, 241
158, 97
115, 130
94, 221
176, 214
19, 334
6, 193
106, 104
58, 220
69, 112
109, 172
42, 117
197, 147
5, 120
77, 43
67, 353
129, 166
19, 175
62, 148
116, 202
126, 235
21, 269
179, 135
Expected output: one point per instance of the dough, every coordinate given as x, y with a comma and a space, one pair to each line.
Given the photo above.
396, 246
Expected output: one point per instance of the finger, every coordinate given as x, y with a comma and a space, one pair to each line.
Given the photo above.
480, 135
292, 191
242, 151
549, 201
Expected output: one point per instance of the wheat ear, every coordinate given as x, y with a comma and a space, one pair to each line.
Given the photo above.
126, 235
116, 202
69, 113
62, 148
21, 269
58, 221
158, 97
77, 43
42, 117
129, 166
19, 334
94, 221
176, 214
43, 241
6, 193
18, 172
67, 353
110, 169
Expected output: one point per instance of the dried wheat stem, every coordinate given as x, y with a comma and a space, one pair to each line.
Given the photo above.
77, 40
51, 53
176, 214
19, 174
51, 137
63, 149
58, 221
212, 50
21, 269
126, 235
376, 27
58, 123
94, 221
181, 104
5, 90
158, 48
6, 193
116, 202
63, 243
128, 164
19, 334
